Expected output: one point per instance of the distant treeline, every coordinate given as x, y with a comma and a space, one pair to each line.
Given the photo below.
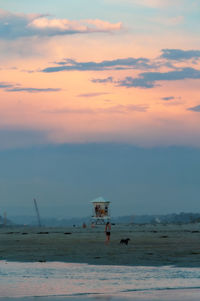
174, 218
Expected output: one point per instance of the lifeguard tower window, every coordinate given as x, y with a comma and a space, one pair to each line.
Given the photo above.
100, 211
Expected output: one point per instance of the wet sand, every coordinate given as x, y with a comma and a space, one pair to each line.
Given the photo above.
166, 295
150, 245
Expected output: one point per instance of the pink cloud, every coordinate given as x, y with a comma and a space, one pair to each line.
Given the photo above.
15, 25
67, 26
104, 25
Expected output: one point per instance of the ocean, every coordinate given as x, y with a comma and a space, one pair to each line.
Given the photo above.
72, 280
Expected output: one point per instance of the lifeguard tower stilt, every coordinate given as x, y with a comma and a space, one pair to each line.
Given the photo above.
100, 211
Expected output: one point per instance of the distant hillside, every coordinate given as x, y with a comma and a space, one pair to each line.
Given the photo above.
182, 218
173, 218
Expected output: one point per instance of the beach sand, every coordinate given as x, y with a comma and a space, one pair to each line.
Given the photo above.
150, 245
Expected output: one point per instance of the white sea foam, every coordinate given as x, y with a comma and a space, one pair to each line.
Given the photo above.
71, 279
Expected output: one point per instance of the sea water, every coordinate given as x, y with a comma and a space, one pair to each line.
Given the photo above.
19, 279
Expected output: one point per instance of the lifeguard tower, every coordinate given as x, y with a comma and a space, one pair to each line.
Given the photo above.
100, 211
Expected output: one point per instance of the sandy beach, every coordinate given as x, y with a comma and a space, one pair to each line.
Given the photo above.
152, 245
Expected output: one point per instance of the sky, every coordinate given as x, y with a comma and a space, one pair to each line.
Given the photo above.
109, 90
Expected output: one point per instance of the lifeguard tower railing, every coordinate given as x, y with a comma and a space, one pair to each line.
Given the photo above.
100, 211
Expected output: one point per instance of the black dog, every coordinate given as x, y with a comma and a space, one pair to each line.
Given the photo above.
124, 241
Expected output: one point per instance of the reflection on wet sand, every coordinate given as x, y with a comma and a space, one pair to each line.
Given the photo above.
19, 279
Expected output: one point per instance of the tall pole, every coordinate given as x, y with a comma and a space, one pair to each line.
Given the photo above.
37, 212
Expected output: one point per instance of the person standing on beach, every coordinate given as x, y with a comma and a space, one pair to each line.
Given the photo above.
107, 231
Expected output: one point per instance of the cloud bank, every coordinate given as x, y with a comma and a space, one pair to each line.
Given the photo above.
15, 25
141, 63
180, 55
149, 78
118, 64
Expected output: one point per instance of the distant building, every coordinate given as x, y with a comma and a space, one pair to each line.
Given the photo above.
100, 210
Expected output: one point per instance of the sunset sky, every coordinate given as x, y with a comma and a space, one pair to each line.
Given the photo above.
94, 82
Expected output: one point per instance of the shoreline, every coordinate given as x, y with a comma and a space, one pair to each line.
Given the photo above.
91, 262
150, 245
164, 295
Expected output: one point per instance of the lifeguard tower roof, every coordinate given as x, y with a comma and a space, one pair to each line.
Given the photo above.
100, 200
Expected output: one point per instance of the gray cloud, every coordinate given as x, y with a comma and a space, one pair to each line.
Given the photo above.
172, 101
172, 75
180, 55
149, 79
5, 85
15, 25
32, 90
126, 63
109, 79
9, 87
168, 98
142, 63
92, 94
194, 109
118, 64
131, 82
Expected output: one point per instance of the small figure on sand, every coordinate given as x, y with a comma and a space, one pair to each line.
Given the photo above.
107, 231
